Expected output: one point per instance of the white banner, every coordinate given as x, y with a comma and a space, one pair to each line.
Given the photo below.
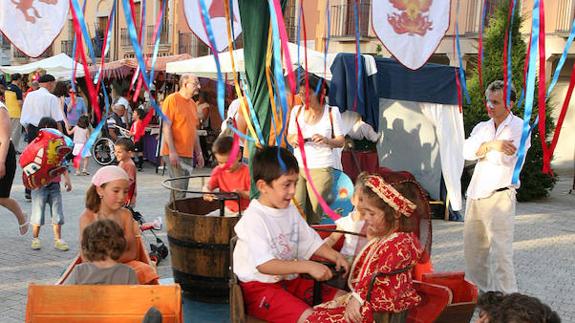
32, 25
216, 10
410, 30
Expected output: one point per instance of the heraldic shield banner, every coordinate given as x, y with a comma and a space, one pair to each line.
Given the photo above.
217, 13
32, 25
410, 30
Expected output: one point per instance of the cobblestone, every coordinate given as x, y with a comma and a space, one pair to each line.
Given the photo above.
544, 245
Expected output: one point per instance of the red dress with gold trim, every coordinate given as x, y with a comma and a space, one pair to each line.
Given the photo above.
394, 293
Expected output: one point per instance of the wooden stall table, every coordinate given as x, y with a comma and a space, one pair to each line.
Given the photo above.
150, 140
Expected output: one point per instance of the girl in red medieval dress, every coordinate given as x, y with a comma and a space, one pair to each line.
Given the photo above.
393, 251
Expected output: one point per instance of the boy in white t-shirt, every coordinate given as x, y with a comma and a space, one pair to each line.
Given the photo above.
275, 243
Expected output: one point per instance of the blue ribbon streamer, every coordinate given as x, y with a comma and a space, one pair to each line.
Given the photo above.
328, 31
562, 59
358, 50
529, 93
157, 45
278, 71
459, 57
108, 40
209, 31
139, 55
277, 62
85, 32
298, 46
253, 114
508, 94
482, 28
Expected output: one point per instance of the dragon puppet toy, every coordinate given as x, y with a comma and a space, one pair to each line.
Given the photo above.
43, 158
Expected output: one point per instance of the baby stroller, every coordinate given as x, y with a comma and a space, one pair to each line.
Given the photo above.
158, 250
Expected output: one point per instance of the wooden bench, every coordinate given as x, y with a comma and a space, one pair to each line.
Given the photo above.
102, 303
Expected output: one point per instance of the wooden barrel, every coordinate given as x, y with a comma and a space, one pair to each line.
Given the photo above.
199, 247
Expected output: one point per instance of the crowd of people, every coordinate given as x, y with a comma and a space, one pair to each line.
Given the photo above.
275, 240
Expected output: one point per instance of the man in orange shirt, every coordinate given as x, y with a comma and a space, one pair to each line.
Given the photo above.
181, 143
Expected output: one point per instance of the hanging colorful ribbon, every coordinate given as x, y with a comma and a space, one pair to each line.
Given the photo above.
529, 93
139, 56
358, 59
460, 59
507, 74
327, 37
541, 106
79, 24
480, 53
237, 87
276, 24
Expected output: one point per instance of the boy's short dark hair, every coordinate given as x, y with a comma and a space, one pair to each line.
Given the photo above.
141, 113
515, 307
266, 164
47, 122
521, 308
125, 143
102, 239
223, 145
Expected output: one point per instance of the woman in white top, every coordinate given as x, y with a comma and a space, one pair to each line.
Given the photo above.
320, 127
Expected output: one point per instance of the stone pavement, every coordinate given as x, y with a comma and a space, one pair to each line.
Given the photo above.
544, 245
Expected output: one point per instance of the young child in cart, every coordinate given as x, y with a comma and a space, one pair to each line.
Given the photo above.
353, 222
102, 245
235, 179
275, 244
393, 250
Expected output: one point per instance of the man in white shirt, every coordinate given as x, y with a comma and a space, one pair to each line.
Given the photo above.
489, 224
39, 104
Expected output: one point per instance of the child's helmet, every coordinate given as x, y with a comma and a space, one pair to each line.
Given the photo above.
42, 159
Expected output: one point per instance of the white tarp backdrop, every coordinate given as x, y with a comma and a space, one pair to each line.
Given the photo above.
32, 26
425, 139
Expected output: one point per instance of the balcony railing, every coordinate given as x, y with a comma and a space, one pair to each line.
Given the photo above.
190, 44
165, 36
565, 14
21, 56
343, 20
290, 17
66, 47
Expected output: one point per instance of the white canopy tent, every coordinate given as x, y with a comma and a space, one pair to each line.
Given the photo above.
205, 66
60, 66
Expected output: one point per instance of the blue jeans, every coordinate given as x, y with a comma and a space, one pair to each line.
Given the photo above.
48, 195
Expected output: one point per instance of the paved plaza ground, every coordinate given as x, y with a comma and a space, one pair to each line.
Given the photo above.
544, 245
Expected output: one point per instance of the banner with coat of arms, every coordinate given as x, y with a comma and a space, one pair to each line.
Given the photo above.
411, 30
32, 25
217, 13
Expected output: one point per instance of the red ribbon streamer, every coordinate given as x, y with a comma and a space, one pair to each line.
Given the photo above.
541, 94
